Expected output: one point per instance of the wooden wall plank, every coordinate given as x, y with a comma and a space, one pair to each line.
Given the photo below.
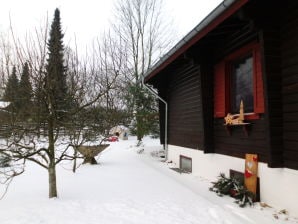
289, 49
184, 100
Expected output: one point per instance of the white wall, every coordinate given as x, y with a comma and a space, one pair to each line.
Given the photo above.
278, 186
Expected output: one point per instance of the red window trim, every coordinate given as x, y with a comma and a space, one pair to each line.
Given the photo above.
242, 51
222, 73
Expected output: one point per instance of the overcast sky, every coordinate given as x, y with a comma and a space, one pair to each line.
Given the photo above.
88, 18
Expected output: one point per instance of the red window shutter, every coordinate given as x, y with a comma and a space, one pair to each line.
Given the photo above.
219, 90
259, 106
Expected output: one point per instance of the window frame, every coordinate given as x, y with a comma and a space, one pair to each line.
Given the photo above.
222, 82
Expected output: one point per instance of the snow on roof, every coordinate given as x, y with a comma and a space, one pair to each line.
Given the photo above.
119, 128
4, 104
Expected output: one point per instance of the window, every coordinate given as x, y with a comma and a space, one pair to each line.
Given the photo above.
239, 77
185, 164
242, 84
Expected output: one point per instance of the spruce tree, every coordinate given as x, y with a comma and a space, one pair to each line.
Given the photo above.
146, 115
55, 69
55, 94
11, 91
25, 93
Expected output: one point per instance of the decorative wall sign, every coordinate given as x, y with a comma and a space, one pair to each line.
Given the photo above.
236, 120
251, 172
231, 119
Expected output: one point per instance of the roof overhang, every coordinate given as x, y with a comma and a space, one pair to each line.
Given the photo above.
216, 17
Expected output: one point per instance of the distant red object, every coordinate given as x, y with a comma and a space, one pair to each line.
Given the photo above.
113, 139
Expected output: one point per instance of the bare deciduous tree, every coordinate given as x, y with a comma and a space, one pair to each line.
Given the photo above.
50, 139
97, 84
144, 30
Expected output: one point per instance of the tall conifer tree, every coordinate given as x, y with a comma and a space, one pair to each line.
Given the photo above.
11, 91
25, 93
55, 69
55, 95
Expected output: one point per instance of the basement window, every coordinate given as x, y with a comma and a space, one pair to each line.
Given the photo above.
185, 164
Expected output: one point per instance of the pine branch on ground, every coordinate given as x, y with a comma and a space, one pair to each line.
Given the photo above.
234, 188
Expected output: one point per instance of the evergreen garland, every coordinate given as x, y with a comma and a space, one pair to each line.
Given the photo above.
234, 188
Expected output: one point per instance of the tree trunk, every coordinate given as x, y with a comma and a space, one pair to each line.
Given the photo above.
139, 135
52, 181
139, 127
52, 165
74, 167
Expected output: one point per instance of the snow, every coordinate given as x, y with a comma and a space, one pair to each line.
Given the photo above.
126, 187
4, 104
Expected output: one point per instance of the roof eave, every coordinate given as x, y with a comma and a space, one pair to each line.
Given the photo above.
217, 16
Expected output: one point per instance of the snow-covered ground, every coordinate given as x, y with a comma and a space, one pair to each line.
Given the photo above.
126, 187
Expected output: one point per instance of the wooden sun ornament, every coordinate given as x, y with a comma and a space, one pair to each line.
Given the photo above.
231, 119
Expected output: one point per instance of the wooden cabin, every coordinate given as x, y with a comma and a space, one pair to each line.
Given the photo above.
243, 50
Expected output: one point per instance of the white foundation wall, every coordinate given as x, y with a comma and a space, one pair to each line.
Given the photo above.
278, 186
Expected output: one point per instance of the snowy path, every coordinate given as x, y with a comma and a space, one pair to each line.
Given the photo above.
125, 188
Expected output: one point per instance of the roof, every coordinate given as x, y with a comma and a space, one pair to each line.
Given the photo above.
4, 104
218, 15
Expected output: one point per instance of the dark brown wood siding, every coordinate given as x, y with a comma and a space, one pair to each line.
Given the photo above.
162, 115
238, 144
289, 49
184, 102
269, 23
